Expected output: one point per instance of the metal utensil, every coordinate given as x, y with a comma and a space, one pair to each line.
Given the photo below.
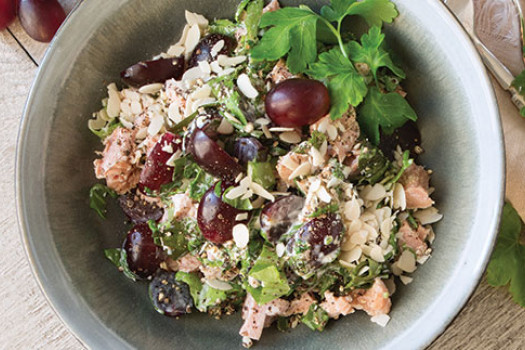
464, 13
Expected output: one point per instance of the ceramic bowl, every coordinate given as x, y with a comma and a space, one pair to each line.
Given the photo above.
461, 132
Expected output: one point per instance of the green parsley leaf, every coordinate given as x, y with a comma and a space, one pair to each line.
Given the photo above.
508, 257
293, 33
375, 12
371, 53
390, 111
97, 198
346, 86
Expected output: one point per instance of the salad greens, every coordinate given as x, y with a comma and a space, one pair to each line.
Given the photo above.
272, 214
97, 198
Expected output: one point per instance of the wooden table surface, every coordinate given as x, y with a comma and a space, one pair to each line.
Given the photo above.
490, 320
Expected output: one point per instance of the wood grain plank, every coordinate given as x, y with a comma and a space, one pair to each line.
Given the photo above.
28, 322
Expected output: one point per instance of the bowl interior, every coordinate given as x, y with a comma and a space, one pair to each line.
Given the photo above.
461, 135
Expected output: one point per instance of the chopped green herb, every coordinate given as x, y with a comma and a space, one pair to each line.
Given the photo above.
107, 130
239, 203
407, 162
97, 198
223, 26
316, 318
283, 323
273, 281
317, 138
372, 164
200, 184
366, 279
332, 208
119, 258
182, 125
262, 173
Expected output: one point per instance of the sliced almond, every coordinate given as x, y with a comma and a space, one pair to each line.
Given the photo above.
302, 170
291, 137
194, 18
241, 235
151, 88
217, 284
192, 39
225, 127
245, 86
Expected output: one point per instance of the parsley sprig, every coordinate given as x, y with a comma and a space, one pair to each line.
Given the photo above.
294, 32
508, 257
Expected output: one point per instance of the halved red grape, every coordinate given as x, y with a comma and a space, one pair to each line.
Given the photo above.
249, 148
316, 243
138, 209
169, 296
7, 13
297, 102
156, 172
216, 218
41, 18
156, 71
211, 157
277, 217
143, 255
203, 50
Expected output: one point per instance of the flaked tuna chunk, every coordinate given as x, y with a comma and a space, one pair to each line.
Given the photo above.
336, 306
183, 206
272, 6
116, 163
374, 301
300, 305
344, 143
280, 72
188, 263
414, 239
342, 133
254, 318
257, 317
415, 181
122, 177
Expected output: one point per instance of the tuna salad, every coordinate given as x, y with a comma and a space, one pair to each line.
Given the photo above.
267, 164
